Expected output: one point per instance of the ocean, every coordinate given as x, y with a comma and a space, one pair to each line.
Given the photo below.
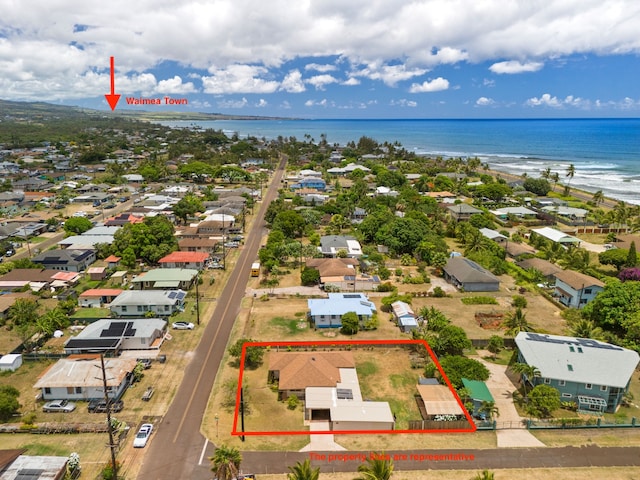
604, 152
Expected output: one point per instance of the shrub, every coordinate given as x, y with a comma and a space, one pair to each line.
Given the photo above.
479, 301
438, 292
518, 301
293, 402
387, 287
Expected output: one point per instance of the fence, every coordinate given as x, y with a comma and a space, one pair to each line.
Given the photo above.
434, 425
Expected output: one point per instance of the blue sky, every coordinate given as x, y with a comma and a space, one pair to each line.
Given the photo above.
330, 58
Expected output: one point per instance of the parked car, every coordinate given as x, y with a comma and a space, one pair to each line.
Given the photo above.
64, 406
9, 253
183, 325
142, 437
100, 406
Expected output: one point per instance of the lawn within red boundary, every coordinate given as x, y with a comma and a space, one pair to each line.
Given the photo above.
471, 429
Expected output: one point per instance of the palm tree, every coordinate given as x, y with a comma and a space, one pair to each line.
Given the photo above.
598, 197
584, 328
527, 374
377, 468
484, 475
226, 462
303, 471
555, 178
489, 409
546, 173
517, 322
571, 171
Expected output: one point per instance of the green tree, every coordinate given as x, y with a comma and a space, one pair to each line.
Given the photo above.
253, 355
23, 312
517, 322
380, 467
616, 257
539, 186
451, 340
543, 400
495, 345
615, 311
350, 323
303, 471
632, 256
225, 462
457, 367
598, 197
571, 171
309, 276
197, 171
9, 403
290, 223
52, 320
187, 206
77, 225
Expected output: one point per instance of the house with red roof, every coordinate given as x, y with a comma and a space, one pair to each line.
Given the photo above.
195, 260
97, 297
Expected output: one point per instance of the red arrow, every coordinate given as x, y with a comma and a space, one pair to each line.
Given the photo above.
113, 97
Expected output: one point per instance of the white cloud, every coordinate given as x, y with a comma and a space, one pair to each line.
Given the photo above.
229, 103
262, 103
484, 101
435, 85
403, 102
514, 66
352, 81
175, 86
488, 82
320, 81
547, 100
292, 82
321, 68
316, 103
390, 75
238, 79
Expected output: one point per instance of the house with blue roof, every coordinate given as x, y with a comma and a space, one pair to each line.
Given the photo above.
328, 312
310, 182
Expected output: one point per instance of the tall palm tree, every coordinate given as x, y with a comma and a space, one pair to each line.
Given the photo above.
571, 171
546, 173
375, 469
303, 471
226, 462
527, 374
584, 328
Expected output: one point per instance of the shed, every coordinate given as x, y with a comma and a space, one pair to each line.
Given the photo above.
10, 362
97, 273
119, 277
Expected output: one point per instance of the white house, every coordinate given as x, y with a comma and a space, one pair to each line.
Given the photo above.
575, 289
136, 303
327, 312
81, 378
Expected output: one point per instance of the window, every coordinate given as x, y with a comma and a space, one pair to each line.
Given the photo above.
166, 308
588, 386
587, 291
124, 308
78, 390
566, 395
139, 308
70, 390
47, 390
571, 349
547, 381
561, 383
603, 388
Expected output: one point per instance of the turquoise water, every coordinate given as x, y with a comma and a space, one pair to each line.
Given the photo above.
605, 152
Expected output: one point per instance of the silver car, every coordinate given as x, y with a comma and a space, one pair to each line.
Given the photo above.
64, 406
142, 437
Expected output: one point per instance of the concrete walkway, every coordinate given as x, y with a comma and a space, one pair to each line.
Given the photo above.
514, 432
323, 442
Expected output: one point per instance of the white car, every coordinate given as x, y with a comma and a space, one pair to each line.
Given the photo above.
64, 406
183, 325
142, 437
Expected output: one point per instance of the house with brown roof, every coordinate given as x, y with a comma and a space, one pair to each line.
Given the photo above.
193, 260
437, 401
19, 277
203, 245
328, 384
295, 371
123, 219
545, 267
575, 289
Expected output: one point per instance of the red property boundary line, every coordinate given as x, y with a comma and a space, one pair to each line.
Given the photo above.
235, 432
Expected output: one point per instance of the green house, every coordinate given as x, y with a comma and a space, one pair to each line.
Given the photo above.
595, 375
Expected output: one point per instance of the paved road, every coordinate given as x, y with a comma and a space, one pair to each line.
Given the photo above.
179, 451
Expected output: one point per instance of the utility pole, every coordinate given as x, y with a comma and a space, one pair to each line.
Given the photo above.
112, 445
197, 299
